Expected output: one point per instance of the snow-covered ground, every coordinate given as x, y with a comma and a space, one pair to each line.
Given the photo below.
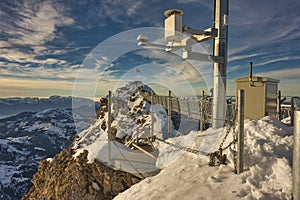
267, 175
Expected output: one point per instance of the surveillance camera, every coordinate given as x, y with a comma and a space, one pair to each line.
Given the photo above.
142, 39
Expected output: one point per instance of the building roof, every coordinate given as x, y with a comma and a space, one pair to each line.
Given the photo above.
257, 79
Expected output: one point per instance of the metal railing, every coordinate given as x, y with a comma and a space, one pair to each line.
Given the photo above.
199, 108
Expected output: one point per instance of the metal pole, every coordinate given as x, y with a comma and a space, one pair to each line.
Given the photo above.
250, 75
220, 49
152, 114
240, 118
188, 108
202, 111
169, 114
279, 105
296, 156
292, 110
109, 129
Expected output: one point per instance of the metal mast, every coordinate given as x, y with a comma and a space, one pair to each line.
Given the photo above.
219, 34
220, 49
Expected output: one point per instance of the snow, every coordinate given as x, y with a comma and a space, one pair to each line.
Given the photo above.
96, 186
6, 174
49, 159
39, 149
267, 172
14, 150
34, 127
184, 175
169, 154
121, 157
286, 120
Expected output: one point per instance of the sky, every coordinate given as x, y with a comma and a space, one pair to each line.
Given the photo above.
87, 47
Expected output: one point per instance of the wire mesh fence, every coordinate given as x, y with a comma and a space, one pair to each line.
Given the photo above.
199, 108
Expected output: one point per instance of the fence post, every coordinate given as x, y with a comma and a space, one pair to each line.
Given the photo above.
279, 116
169, 114
188, 107
296, 156
240, 118
178, 105
294, 107
109, 129
152, 114
202, 111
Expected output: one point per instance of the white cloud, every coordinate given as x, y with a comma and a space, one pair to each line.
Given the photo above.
118, 9
283, 73
42, 72
38, 27
13, 55
278, 59
11, 87
241, 56
35, 24
4, 44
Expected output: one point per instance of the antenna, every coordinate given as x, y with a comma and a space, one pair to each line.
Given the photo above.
250, 76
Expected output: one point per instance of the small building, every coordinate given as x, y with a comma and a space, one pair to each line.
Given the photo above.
260, 96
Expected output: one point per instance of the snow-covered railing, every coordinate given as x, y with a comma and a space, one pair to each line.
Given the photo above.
194, 107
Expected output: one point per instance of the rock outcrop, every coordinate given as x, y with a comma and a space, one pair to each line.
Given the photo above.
69, 177
80, 171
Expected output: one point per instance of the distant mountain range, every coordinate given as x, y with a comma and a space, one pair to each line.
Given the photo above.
16, 105
37, 128
27, 138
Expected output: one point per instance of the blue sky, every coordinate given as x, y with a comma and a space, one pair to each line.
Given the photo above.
60, 47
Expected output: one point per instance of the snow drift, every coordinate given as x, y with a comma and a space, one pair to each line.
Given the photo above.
267, 175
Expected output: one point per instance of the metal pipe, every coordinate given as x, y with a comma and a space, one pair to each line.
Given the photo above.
220, 49
296, 156
109, 128
169, 114
240, 118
